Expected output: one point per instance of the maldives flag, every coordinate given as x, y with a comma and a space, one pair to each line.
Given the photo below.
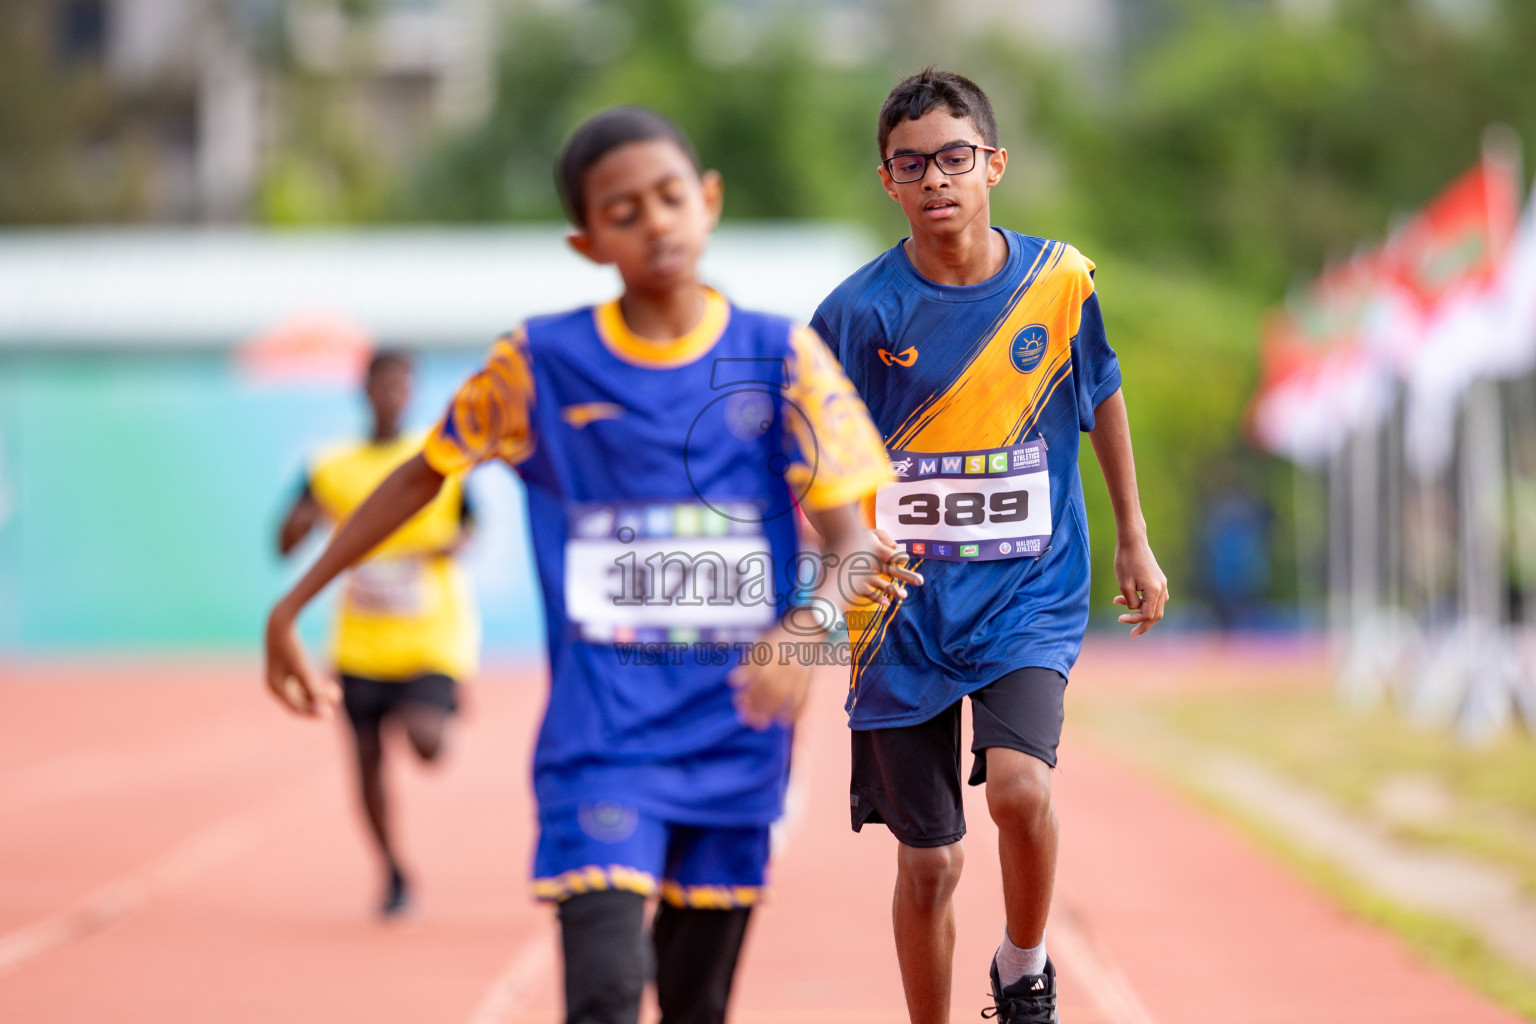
1316, 377
1404, 308
1475, 320
1458, 238
1449, 248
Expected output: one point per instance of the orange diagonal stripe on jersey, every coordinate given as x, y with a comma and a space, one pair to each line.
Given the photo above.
1052, 373
986, 404
931, 407
872, 637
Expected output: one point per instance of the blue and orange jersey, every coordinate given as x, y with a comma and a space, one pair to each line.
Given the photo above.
981, 393
662, 479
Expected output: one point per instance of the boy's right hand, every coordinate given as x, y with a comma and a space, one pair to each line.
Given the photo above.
290, 676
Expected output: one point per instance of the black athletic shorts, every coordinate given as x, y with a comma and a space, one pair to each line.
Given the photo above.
368, 701
909, 777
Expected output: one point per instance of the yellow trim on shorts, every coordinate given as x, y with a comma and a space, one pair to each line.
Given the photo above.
594, 878
713, 897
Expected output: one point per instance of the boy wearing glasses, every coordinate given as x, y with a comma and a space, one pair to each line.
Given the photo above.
981, 355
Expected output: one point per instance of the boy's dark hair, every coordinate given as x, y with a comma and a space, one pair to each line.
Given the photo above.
601, 133
917, 94
387, 357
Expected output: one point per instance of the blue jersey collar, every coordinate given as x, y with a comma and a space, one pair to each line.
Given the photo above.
1003, 279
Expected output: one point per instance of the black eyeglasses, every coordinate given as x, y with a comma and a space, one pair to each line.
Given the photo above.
906, 168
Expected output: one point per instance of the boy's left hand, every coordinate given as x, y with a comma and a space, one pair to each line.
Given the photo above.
1143, 587
893, 563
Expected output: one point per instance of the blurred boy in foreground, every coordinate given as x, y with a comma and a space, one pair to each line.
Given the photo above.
665, 439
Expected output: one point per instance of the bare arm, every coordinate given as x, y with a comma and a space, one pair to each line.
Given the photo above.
1143, 587
303, 517
862, 564
289, 673
467, 527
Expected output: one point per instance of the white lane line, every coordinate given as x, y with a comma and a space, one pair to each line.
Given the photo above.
1109, 989
207, 848
212, 846
532, 962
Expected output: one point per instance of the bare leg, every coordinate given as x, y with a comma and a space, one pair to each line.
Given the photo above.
426, 726
1019, 798
923, 912
370, 777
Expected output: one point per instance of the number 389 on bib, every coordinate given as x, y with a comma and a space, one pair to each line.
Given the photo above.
969, 506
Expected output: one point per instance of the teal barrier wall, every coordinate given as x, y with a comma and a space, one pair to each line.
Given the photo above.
140, 495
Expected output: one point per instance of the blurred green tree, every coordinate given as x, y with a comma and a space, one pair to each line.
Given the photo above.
782, 127
1255, 142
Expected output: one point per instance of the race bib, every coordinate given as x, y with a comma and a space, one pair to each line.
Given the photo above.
680, 572
388, 586
969, 506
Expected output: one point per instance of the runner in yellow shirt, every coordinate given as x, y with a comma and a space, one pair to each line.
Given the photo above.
406, 627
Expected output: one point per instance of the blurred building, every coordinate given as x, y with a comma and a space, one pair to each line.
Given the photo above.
184, 99
177, 110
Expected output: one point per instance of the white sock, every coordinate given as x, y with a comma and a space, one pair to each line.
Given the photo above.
1014, 963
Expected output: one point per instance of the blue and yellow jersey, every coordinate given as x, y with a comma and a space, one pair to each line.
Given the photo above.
406, 609
980, 393
662, 478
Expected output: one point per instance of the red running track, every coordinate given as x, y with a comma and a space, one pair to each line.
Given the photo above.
175, 849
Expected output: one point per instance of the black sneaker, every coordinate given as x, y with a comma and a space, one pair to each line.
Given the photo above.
1030, 1000
397, 896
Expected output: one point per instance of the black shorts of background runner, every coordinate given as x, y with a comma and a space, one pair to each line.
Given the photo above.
369, 701
909, 777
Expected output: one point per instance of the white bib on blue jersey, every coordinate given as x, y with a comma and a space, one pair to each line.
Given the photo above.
969, 506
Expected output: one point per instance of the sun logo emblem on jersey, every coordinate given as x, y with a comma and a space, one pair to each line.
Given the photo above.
906, 357
1029, 347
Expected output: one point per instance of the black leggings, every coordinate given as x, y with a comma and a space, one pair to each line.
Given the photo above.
606, 960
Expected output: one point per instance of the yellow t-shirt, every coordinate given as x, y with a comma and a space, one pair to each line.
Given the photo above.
406, 609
